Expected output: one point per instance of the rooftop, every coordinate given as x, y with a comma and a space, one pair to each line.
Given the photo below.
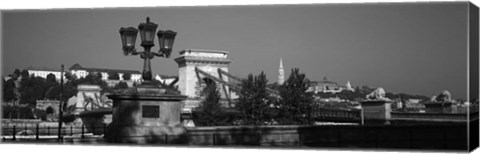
79, 67
43, 68
203, 50
324, 81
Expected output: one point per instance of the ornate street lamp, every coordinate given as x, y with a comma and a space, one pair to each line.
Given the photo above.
165, 40
147, 35
146, 102
128, 35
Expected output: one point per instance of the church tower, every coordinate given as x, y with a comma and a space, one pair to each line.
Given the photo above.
281, 74
349, 86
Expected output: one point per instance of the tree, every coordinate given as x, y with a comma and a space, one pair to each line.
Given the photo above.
92, 78
32, 89
274, 86
127, 76
25, 112
8, 87
24, 73
54, 92
212, 97
122, 85
296, 102
98, 75
254, 102
210, 111
16, 72
113, 76
68, 76
51, 78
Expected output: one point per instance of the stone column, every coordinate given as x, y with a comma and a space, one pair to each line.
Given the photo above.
376, 111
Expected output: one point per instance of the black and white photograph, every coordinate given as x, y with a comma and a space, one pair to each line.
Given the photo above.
398, 76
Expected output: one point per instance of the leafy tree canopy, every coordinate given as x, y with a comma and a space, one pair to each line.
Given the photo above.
24, 73
254, 103
121, 85
113, 76
127, 76
16, 72
8, 89
210, 112
296, 102
51, 78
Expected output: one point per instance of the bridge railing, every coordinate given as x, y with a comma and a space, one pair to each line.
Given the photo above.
354, 115
13, 133
447, 136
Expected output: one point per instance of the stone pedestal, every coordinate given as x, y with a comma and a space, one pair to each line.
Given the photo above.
438, 107
376, 111
145, 115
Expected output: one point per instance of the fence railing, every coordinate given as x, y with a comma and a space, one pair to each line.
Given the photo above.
404, 137
39, 132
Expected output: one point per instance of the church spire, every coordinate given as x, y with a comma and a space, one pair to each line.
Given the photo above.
281, 74
349, 86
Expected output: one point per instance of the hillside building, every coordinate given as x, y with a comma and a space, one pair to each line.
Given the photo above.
327, 86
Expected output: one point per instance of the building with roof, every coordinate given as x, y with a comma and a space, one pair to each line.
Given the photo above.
43, 72
327, 86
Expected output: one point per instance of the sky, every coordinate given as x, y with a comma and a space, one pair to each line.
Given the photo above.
415, 48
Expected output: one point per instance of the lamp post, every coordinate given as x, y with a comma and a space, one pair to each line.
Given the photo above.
147, 34
60, 107
147, 110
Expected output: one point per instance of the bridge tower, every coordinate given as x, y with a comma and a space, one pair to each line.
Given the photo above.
86, 95
208, 61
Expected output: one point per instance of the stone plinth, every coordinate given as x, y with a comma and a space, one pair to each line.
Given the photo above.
146, 115
376, 111
438, 107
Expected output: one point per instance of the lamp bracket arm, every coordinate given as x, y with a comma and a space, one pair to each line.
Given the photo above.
135, 52
158, 54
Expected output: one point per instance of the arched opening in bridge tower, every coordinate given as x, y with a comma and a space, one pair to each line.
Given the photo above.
50, 110
208, 82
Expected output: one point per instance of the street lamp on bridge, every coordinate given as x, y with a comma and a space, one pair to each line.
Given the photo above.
146, 110
147, 35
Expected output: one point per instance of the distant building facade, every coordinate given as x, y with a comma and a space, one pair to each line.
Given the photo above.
43, 72
80, 72
327, 86
166, 79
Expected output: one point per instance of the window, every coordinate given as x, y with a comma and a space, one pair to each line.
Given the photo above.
150, 111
